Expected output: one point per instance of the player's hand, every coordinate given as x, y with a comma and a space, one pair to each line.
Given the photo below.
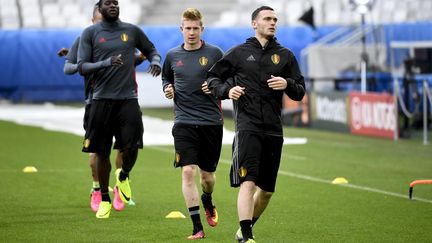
204, 88
142, 57
277, 83
116, 61
236, 92
63, 52
154, 70
169, 91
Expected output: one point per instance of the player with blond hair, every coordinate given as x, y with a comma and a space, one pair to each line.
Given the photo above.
198, 118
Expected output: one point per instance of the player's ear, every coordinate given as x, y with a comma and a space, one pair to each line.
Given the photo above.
254, 24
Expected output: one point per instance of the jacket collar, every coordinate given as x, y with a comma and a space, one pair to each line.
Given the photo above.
255, 43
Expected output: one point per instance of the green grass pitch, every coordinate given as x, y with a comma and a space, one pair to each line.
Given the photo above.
52, 205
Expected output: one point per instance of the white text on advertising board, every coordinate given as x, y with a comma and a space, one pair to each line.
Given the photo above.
331, 110
377, 115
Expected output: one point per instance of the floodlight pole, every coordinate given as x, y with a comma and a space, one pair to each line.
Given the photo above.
364, 56
425, 112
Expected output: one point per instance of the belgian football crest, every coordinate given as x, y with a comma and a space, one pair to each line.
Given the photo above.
86, 143
242, 171
203, 61
124, 37
177, 158
275, 59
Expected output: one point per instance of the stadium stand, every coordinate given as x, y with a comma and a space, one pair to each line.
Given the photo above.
74, 14
164, 12
331, 12
9, 14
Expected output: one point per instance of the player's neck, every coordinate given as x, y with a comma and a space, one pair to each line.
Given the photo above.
263, 40
191, 47
110, 20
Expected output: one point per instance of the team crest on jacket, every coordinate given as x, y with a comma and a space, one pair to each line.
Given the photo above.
124, 37
275, 59
242, 171
203, 61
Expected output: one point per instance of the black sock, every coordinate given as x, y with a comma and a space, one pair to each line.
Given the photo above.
123, 175
196, 220
106, 197
206, 199
254, 220
246, 229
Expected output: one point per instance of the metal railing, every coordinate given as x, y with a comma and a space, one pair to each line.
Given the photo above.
427, 100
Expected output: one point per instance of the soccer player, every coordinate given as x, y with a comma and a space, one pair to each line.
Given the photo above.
198, 119
262, 70
107, 52
71, 67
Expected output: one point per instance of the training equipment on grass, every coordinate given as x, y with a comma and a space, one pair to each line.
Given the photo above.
340, 180
29, 169
175, 215
412, 184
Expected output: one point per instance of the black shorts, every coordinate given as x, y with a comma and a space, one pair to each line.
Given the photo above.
86, 116
256, 157
121, 119
198, 145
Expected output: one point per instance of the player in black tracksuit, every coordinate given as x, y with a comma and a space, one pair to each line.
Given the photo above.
262, 70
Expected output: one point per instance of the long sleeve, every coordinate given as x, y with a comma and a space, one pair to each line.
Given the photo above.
70, 68
295, 82
219, 77
88, 67
167, 73
146, 47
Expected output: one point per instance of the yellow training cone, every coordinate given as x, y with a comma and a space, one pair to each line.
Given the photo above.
175, 215
340, 180
29, 169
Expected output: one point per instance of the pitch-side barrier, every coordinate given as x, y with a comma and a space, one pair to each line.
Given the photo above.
427, 100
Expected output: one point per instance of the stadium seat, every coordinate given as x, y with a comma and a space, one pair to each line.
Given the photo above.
9, 17
219, 13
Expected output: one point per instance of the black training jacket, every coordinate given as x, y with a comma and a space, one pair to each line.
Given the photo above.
250, 65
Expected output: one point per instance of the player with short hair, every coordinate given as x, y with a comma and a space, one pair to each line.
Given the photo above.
262, 71
198, 121
107, 51
71, 67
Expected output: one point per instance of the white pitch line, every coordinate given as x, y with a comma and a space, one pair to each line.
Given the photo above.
281, 172
319, 180
363, 188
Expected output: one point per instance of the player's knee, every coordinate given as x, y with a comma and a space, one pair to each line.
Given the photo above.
266, 195
129, 152
188, 172
103, 157
207, 178
92, 160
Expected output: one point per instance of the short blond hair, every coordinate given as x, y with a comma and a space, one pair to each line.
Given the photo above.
192, 14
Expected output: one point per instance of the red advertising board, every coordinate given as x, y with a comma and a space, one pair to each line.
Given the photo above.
372, 114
